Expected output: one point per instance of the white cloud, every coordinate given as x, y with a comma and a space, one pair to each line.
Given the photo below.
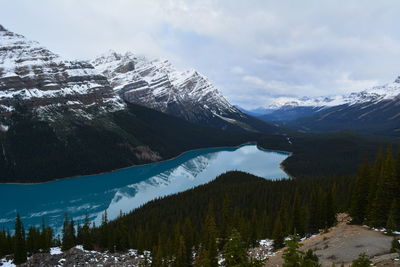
273, 87
282, 47
237, 70
346, 83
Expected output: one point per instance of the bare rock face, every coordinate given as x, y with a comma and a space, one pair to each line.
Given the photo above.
33, 76
158, 85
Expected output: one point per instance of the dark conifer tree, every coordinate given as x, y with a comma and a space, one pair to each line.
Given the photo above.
226, 219
157, 255
376, 175
330, 210
3, 244
310, 259
211, 241
87, 241
33, 240
46, 237
19, 242
180, 254
298, 217
234, 252
359, 203
313, 225
188, 233
292, 256
386, 191
68, 238
277, 234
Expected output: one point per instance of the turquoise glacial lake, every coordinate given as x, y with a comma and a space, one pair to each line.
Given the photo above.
126, 189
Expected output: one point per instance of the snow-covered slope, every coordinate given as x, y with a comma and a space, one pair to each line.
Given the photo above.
375, 110
158, 85
32, 75
375, 94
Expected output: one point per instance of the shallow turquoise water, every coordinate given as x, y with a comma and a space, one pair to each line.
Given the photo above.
124, 190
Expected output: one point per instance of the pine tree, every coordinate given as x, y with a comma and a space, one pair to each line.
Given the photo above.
68, 238
277, 234
313, 224
310, 259
395, 246
386, 192
46, 237
390, 224
330, 210
394, 216
188, 233
105, 237
211, 241
298, 218
121, 241
157, 255
180, 255
234, 251
19, 242
361, 261
398, 166
226, 219
33, 241
87, 241
292, 256
140, 240
359, 204
202, 257
375, 177
3, 244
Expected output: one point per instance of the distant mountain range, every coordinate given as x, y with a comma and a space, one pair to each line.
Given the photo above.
373, 111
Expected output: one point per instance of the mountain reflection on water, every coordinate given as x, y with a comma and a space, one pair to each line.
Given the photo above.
127, 189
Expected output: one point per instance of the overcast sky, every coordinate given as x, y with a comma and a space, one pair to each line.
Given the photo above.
251, 50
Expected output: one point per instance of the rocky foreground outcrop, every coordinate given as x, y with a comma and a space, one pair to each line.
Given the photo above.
345, 242
79, 257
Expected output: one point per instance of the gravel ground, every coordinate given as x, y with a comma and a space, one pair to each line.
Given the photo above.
343, 243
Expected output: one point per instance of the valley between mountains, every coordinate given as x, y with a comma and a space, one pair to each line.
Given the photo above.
326, 167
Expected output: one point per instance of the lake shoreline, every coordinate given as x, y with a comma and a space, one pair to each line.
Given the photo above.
165, 160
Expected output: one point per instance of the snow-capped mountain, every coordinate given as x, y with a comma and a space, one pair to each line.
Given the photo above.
374, 94
374, 110
61, 118
158, 85
32, 75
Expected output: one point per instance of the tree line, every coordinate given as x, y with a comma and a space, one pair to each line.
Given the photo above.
376, 199
193, 227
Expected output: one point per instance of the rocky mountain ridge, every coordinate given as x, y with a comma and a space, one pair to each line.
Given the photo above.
158, 85
372, 111
375, 94
33, 76
61, 118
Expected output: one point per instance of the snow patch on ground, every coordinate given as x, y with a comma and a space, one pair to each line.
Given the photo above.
383, 230
6, 263
55, 251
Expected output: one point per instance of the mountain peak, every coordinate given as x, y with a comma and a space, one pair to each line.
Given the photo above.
397, 80
155, 83
43, 79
